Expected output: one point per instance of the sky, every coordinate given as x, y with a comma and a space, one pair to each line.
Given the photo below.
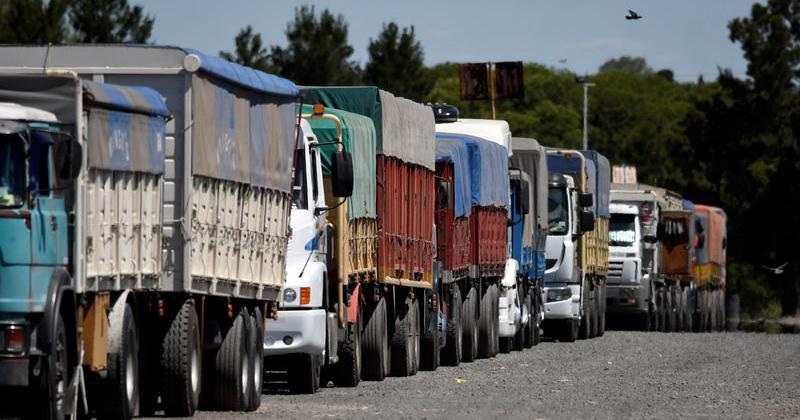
689, 37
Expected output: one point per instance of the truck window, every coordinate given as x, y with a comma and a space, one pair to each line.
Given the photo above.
622, 230
557, 208
299, 188
41, 142
314, 188
12, 171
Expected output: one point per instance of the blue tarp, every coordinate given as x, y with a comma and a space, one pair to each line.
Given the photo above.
245, 76
598, 174
127, 127
688, 205
456, 153
488, 170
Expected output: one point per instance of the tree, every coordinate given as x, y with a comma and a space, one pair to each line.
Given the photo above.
109, 21
635, 65
249, 50
33, 21
396, 63
318, 51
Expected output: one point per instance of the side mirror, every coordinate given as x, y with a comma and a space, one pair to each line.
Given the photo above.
524, 198
587, 221
585, 200
342, 174
69, 157
650, 239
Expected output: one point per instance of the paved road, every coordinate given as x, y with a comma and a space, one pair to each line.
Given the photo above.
621, 375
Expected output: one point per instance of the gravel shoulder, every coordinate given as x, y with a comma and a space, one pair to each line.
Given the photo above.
621, 375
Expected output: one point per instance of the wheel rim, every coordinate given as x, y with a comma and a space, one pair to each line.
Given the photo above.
195, 373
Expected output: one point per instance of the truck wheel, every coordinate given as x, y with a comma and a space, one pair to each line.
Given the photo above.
570, 330
375, 350
532, 325
231, 367
661, 311
402, 343
415, 337
714, 311
594, 325
121, 390
55, 377
493, 321
451, 354
505, 344
180, 364
430, 351
687, 311
484, 325
601, 315
347, 371
257, 360
586, 319
304, 373
520, 335
702, 305
470, 332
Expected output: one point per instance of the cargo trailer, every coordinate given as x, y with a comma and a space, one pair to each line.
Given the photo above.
172, 272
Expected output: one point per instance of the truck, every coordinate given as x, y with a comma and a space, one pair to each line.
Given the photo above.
521, 329
637, 290
476, 281
154, 266
382, 269
311, 336
577, 244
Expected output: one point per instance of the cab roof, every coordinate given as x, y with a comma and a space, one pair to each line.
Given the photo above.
17, 112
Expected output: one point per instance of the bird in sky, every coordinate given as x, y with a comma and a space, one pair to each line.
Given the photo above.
776, 270
562, 61
633, 15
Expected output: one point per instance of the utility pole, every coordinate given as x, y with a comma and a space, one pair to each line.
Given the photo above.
586, 85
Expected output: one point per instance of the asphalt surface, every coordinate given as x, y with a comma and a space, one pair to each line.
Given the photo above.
621, 375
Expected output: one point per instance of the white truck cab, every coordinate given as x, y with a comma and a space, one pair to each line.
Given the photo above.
562, 275
306, 329
625, 245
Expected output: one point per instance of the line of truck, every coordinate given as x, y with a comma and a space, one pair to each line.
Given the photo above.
175, 225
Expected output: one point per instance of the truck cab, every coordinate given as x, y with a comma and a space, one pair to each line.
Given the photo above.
306, 331
562, 274
625, 245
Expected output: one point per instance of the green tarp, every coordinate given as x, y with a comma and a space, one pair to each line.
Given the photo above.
359, 138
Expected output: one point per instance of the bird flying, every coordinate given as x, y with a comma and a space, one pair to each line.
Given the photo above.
776, 270
633, 15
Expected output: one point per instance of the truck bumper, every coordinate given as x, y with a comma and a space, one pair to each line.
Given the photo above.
564, 309
295, 331
626, 299
14, 371
507, 322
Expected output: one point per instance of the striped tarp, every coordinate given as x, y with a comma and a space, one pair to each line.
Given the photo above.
126, 127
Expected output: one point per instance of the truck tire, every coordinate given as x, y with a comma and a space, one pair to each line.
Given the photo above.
304, 373
494, 320
687, 311
570, 330
121, 390
375, 346
451, 354
257, 359
347, 371
714, 312
661, 311
470, 326
485, 326
586, 319
532, 325
180, 364
601, 318
231, 367
405, 339
594, 324
54, 378
430, 350
703, 309
679, 310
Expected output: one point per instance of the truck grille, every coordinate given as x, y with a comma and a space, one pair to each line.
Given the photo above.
615, 270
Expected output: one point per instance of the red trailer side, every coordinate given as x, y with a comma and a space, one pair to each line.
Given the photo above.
454, 248
488, 225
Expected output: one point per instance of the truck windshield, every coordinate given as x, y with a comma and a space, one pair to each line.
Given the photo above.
299, 194
622, 230
557, 207
12, 171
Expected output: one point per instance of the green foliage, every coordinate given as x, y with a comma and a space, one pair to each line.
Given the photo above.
249, 51
396, 63
83, 21
109, 21
628, 64
33, 21
318, 52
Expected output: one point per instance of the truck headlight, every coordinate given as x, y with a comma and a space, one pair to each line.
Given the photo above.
556, 295
289, 295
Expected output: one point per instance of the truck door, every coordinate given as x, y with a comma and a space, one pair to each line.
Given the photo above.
48, 216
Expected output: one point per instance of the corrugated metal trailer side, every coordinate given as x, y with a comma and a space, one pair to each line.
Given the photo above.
488, 225
454, 248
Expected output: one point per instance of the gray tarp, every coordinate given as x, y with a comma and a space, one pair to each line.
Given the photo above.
53, 94
408, 130
529, 156
242, 135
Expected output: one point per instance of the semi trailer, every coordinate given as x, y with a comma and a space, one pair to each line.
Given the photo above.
159, 258
383, 265
577, 244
